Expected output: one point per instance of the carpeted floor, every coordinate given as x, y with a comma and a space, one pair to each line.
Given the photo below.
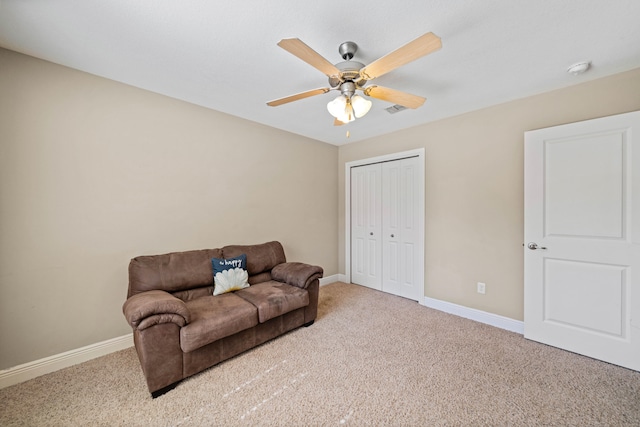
370, 359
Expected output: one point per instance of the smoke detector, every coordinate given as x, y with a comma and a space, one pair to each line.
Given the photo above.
579, 68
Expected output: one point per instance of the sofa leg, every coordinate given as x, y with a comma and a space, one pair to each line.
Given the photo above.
163, 390
306, 325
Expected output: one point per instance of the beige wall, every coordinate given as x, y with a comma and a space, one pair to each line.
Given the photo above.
93, 172
474, 187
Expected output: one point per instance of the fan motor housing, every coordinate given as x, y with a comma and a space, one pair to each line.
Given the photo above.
349, 71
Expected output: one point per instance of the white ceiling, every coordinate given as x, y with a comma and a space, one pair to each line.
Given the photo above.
223, 54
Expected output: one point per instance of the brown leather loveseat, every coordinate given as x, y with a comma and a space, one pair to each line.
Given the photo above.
180, 328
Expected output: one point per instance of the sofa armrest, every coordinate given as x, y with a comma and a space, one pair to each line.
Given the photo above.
296, 273
153, 307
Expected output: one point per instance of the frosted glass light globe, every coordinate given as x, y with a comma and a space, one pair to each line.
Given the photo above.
337, 106
360, 105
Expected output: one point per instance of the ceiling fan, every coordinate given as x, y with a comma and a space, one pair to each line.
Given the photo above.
351, 76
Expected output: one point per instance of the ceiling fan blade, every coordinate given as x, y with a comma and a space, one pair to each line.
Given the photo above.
397, 97
337, 122
298, 48
423, 45
298, 96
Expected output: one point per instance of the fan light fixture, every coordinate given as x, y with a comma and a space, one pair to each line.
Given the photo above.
348, 109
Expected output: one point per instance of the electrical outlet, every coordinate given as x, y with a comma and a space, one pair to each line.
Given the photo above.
481, 287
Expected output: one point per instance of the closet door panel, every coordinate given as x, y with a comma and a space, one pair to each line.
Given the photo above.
400, 228
366, 225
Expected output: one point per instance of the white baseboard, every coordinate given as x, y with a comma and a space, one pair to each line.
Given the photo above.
477, 315
332, 279
27, 371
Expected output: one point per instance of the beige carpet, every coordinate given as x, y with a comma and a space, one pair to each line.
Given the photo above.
370, 359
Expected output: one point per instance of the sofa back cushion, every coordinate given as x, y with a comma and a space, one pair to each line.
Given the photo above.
185, 274
260, 259
189, 275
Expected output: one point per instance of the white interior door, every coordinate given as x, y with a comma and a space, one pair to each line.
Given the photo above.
400, 231
582, 238
366, 225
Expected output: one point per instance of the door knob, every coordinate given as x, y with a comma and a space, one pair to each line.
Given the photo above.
393, 235
533, 246
371, 234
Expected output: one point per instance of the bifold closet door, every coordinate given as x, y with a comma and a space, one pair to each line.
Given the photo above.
384, 227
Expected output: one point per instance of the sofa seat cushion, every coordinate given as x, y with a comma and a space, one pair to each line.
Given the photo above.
274, 298
215, 317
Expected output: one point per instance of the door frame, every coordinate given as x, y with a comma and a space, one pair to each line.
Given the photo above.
420, 189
